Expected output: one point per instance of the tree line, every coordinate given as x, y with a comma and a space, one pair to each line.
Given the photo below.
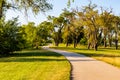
89, 24
86, 25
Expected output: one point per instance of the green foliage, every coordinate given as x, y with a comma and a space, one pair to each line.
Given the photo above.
69, 2
83, 41
58, 24
36, 36
10, 37
44, 32
29, 35
90, 19
97, 26
35, 5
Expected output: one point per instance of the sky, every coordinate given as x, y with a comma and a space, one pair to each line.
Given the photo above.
58, 6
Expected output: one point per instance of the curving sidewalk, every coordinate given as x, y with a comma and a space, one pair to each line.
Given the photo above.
86, 68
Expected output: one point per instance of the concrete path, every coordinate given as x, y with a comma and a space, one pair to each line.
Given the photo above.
86, 68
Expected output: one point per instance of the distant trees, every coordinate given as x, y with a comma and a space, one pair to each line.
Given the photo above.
72, 27
116, 25
29, 34
66, 29
106, 19
89, 23
44, 32
37, 35
58, 24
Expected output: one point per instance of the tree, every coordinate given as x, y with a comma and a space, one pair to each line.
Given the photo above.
76, 30
66, 30
106, 24
90, 19
72, 27
30, 34
10, 37
3, 6
116, 23
35, 5
69, 2
58, 23
44, 32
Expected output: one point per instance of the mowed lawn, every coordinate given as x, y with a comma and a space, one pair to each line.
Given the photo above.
34, 65
109, 55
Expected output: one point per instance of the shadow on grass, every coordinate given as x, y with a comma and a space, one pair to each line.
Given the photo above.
30, 60
32, 56
69, 48
93, 54
109, 48
36, 53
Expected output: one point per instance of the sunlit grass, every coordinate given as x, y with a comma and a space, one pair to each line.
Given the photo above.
34, 65
109, 55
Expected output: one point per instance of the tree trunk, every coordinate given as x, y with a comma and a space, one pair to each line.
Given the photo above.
105, 44
75, 42
110, 40
116, 41
95, 46
116, 37
67, 44
89, 45
1, 9
95, 40
116, 44
56, 39
37, 45
0, 13
56, 43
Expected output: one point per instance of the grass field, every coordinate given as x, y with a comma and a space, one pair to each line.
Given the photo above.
109, 55
34, 65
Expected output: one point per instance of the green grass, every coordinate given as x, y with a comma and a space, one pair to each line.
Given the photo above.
109, 55
34, 65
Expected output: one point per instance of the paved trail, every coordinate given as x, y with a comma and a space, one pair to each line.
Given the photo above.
86, 68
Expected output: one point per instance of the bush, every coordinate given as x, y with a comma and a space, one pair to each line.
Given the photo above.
10, 37
83, 41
